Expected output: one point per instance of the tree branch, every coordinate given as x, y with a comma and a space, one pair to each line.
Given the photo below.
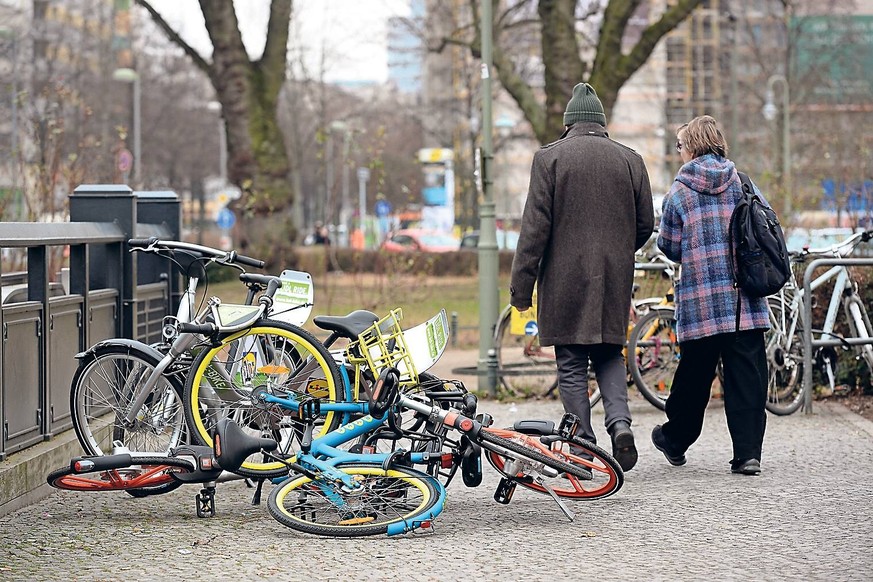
628, 64
198, 60
275, 55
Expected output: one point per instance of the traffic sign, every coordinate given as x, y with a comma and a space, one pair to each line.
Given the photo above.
383, 208
225, 219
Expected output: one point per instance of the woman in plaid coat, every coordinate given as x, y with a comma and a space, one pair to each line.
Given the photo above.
694, 232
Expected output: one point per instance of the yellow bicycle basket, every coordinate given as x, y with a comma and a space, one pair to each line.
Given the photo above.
382, 345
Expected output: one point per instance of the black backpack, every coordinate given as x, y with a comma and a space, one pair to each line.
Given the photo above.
758, 253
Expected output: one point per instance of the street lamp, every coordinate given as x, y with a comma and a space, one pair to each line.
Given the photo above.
504, 126
126, 75
222, 141
769, 111
338, 126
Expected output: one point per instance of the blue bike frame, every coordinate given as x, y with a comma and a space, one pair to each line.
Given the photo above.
325, 459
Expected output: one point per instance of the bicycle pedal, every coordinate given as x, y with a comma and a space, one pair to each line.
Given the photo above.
504, 491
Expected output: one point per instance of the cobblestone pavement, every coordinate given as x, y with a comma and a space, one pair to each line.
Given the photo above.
807, 517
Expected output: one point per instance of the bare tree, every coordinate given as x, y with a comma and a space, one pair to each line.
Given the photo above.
248, 91
591, 40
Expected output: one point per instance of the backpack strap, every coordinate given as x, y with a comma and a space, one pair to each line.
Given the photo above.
748, 192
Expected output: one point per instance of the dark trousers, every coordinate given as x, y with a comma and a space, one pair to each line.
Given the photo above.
745, 390
611, 373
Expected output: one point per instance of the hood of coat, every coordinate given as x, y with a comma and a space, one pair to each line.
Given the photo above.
709, 174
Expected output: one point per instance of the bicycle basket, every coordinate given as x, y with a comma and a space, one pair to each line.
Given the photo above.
382, 345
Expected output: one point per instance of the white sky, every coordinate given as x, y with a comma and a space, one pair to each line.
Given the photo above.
350, 33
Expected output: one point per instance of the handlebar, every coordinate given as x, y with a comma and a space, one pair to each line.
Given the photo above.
155, 244
839, 249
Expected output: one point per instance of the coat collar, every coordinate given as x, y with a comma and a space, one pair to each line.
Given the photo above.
585, 128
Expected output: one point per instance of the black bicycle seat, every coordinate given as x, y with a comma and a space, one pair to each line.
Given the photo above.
348, 326
232, 445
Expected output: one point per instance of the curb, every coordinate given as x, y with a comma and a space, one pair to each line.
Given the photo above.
22, 475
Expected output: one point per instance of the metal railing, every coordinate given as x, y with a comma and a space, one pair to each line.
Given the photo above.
808, 342
49, 317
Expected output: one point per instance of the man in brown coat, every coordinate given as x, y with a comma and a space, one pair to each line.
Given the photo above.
588, 209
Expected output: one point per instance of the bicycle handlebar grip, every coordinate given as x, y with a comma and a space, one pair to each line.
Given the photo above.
244, 260
142, 242
104, 463
274, 285
201, 328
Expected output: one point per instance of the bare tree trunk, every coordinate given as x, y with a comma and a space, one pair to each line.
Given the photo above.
248, 92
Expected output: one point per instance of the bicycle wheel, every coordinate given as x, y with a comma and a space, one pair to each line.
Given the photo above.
144, 473
527, 367
784, 359
524, 365
570, 457
279, 358
653, 355
324, 507
103, 387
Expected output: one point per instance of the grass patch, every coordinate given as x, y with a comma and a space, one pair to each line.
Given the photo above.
419, 296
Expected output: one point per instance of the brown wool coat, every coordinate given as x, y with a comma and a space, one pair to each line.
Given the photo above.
588, 209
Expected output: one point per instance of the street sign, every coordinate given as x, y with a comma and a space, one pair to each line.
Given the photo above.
383, 208
124, 160
363, 174
225, 219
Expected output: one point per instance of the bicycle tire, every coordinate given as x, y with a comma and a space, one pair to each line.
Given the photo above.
262, 357
523, 365
102, 387
297, 501
143, 473
785, 390
607, 476
512, 363
653, 355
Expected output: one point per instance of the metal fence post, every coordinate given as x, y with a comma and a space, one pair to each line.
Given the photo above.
111, 265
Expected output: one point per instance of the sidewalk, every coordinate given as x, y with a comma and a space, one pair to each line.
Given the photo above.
808, 516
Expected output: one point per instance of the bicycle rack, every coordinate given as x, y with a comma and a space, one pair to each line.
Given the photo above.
808, 342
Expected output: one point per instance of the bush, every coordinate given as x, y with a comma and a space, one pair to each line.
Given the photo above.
319, 260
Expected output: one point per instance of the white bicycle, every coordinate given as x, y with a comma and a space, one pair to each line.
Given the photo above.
785, 388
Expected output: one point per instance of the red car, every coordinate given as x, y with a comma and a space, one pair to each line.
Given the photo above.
413, 239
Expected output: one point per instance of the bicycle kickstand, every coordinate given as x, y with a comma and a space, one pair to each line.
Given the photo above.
206, 500
542, 483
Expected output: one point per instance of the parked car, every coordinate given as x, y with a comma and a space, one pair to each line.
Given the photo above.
413, 239
506, 240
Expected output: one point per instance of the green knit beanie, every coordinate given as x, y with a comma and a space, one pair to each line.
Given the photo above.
584, 106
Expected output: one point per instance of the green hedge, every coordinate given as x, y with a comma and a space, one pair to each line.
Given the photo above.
319, 260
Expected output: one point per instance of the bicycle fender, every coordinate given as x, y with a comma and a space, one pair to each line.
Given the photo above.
124, 342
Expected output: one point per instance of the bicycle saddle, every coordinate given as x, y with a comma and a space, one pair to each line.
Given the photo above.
348, 326
232, 445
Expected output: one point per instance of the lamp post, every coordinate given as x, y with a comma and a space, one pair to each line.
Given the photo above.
488, 261
126, 75
222, 141
769, 111
345, 204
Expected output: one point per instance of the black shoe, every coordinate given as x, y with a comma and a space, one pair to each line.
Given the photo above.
746, 467
623, 448
660, 442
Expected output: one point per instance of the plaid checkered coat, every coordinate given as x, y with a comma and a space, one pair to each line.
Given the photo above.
694, 231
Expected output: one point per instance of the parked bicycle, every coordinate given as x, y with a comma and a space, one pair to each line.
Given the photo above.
784, 343
360, 492
127, 394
